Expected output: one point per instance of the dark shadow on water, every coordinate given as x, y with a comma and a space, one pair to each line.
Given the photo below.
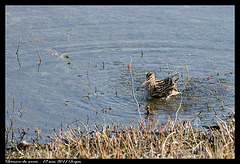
164, 104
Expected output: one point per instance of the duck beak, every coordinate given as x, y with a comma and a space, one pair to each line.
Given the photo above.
142, 84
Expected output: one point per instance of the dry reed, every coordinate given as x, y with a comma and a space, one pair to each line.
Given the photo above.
145, 140
17, 53
88, 66
187, 78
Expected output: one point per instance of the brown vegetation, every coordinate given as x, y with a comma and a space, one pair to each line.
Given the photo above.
145, 140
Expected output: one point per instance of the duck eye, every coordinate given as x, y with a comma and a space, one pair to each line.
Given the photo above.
149, 74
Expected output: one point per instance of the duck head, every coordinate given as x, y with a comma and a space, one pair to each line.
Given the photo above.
150, 77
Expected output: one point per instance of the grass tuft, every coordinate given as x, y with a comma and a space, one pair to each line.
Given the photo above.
173, 139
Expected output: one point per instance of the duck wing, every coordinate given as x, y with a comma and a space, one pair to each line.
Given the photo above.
164, 87
166, 83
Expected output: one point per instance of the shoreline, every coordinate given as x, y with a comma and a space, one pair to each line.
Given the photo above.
173, 139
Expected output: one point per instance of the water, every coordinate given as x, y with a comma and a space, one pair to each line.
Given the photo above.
58, 91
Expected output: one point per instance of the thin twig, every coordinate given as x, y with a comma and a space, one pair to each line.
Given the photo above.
133, 88
11, 119
17, 52
224, 107
164, 143
96, 110
13, 100
215, 111
191, 78
187, 74
178, 110
20, 111
40, 60
88, 66
76, 121
167, 68
141, 53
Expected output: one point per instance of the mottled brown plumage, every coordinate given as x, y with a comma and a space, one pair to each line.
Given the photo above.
160, 88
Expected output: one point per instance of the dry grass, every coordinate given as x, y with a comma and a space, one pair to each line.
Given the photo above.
172, 139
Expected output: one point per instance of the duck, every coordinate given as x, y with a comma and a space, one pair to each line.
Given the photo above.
158, 89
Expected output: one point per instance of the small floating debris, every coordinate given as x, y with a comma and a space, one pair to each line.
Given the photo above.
102, 110
61, 56
230, 73
67, 101
87, 96
141, 53
103, 64
148, 111
67, 56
